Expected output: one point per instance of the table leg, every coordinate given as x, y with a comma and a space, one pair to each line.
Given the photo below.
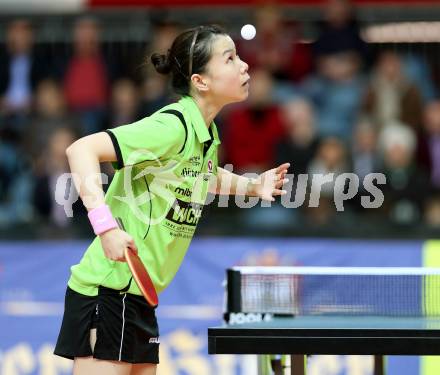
297, 364
277, 367
378, 365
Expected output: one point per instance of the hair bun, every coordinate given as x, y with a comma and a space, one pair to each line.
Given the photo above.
161, 63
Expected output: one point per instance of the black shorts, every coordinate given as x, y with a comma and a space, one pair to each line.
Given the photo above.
126, 327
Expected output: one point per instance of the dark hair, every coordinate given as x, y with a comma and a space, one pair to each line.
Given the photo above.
189, 54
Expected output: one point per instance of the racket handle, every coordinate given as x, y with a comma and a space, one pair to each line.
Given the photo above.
102, 219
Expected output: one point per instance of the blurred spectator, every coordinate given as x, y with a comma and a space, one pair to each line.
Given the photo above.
276, 47
432, 212
391, 96
155, 94
15, 187
339, 32
416, 67
300, 144
155, 91
407, 186
364, 150
336, 91
252, 130
331, 157
429, 142
364, 159
164, 35
124, 108
21, 68
50, 114
86, 85
46, 191
337, 87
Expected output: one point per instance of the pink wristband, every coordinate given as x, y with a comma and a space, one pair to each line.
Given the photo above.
102, 219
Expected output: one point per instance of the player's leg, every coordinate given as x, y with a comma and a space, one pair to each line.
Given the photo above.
90, 365
143, 369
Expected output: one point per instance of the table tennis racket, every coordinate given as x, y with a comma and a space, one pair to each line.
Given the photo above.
140, 274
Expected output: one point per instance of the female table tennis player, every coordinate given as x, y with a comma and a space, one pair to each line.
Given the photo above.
164, 164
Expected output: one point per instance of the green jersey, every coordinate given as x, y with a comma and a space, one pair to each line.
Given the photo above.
163, 169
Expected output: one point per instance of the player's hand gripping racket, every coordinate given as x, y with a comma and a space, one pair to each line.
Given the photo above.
140, 274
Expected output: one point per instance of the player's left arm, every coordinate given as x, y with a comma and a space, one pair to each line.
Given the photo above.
266, 186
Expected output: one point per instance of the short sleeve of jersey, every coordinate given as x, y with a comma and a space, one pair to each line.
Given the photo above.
157, 137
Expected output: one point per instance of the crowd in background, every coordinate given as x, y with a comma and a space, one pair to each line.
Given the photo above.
335, 105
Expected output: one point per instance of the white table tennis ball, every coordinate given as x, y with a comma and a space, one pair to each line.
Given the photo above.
248, 32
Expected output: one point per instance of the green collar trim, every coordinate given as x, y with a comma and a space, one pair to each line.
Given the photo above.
197, 121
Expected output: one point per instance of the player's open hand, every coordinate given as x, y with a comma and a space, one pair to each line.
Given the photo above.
269, 184
114, 243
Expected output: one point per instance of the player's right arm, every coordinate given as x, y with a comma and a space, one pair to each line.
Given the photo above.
84, 156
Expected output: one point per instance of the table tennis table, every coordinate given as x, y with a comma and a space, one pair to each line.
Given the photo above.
308, 335
301, 311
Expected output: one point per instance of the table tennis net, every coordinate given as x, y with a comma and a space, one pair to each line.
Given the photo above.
334, 291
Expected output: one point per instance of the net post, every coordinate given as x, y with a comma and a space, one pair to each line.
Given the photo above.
233, 291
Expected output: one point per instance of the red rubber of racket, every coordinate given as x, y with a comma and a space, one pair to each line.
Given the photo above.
141, 277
